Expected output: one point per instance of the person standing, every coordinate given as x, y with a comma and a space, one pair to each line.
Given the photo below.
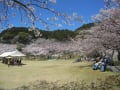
8, 62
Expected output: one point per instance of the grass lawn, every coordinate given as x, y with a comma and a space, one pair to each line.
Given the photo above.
57, 70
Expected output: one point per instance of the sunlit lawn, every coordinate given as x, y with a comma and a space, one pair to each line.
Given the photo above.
57, 70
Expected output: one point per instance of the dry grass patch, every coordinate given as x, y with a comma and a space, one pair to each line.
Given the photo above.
51, 71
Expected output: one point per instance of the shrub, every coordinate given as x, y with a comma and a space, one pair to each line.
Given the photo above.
24, 38
20, 47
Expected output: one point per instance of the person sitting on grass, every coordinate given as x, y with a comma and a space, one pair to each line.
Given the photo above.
102, 64
97, 65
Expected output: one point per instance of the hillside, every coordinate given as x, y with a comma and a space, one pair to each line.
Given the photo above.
24, 36
59, 42
85, 27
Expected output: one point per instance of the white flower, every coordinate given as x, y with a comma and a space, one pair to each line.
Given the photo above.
54, 19
48, 18
117, 2
31, 8
74, 14
10, 26
53, 1
59, 25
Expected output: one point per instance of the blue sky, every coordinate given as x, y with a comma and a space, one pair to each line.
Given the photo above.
85, 8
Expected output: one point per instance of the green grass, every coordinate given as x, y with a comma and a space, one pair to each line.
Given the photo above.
51, 71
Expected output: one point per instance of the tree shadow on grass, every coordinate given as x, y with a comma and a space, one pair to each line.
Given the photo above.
22, 64
84, 66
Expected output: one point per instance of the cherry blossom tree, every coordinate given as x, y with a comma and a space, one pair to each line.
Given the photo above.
30, 11
110, 3
108, 26
108, 30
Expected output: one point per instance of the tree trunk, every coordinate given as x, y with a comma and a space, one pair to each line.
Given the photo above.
118, 55
112, 55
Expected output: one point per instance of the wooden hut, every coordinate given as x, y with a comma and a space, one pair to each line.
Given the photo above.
12, 58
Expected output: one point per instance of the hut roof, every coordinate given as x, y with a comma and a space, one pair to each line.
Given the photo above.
12, 54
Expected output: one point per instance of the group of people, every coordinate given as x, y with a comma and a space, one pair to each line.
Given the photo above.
102, 63
12, 61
